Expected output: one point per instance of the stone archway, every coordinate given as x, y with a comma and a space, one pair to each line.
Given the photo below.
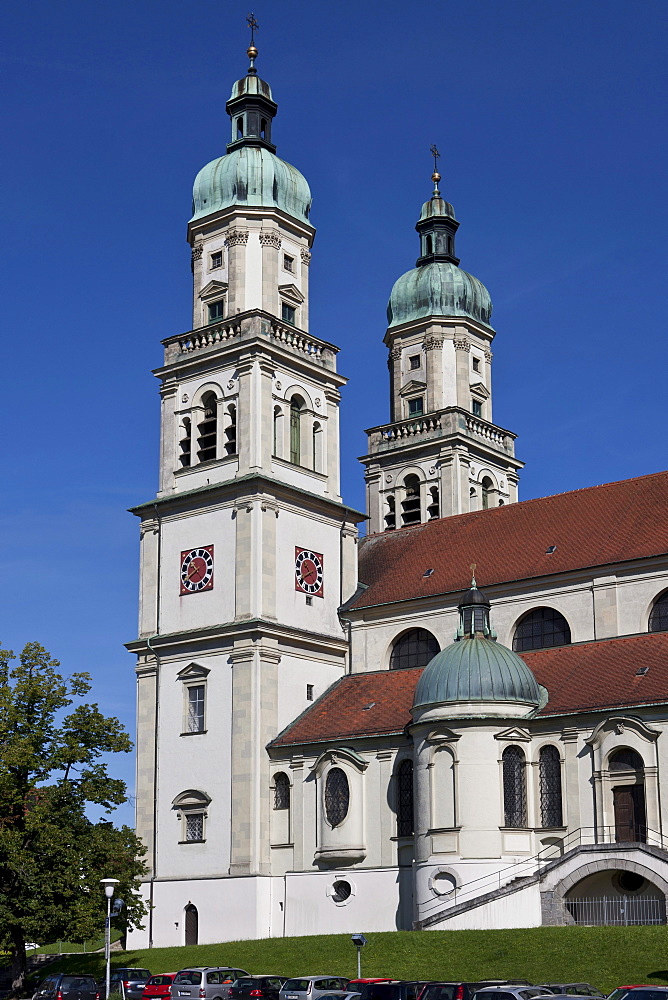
559, 882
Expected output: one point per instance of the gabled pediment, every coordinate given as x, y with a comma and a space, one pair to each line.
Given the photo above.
212, 289
413, 386
443, 735
291, 292
515, 735
478, 389
194, 671
617, 725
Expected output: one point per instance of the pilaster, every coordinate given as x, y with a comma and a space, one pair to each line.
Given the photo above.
305, 258
236, 242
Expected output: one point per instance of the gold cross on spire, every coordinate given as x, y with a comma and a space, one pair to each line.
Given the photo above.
435, 176
253, 25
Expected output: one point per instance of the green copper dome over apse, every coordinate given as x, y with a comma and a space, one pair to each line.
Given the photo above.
251, 173
475, 668
437, 286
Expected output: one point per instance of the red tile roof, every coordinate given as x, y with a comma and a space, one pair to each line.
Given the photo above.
589, 676
606, 524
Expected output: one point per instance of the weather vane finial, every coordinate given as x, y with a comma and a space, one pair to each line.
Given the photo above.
435, 176
251, 51
473, 583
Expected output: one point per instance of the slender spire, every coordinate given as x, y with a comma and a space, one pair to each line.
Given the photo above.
435, 176
251, 51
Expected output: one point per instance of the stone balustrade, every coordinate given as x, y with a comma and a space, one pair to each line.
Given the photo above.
303, 343
196, 340
440, 424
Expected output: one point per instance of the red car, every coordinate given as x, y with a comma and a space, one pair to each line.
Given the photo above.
157, 988
355, 985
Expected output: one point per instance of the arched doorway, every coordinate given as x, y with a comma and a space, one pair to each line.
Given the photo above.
627, 777
615, 897
192, 924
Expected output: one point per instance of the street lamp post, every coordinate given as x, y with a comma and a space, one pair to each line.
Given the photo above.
359, 941
109, 884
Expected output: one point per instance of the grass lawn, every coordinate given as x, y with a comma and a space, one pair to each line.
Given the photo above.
604, 956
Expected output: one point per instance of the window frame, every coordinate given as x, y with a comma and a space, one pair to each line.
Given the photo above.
211, 306
287, 307
403, 637
213, 266
288, 263
518, 643
415, 401
187, 688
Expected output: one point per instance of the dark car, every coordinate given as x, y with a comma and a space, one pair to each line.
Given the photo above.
71, 987
256, 986
465, 990
400, 989
158, 987
129, 983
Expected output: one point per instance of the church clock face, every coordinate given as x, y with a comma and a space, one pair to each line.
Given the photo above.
197, 570
309, 573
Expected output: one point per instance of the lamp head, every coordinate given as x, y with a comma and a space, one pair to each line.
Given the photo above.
358, 940
109, 884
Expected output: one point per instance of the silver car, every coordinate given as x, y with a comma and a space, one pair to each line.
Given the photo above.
204, 982
514, 993
312, 987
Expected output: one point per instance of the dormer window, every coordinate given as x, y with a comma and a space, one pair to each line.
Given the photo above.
216, 310
288, 263
216, 259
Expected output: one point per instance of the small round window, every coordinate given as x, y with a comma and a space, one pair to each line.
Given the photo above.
630, 881
337, 796
342, 891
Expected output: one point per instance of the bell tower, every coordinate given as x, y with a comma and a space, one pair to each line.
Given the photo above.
441, 453
247, 551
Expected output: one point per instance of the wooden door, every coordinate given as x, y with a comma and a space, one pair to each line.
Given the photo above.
629, 808
191, 924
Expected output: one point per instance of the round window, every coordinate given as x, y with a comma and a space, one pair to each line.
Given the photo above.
630, 881
443, 883
341, 891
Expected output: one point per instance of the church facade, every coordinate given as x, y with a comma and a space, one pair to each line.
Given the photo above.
342, 735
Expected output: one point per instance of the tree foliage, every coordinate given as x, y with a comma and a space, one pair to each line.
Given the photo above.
52, 768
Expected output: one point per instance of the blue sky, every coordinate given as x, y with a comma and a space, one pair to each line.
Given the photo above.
550, 121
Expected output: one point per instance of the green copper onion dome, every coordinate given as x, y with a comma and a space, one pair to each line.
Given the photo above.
251, 173
476, 668
437, 286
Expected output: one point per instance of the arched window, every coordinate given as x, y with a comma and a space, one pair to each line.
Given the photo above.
317, 447
278, 432
192, 924
281, 791
184, 444
514, 787
658, 619
337, 796
486, 487
411, 504
391, 515
428, 248
240, 128
231, 430
413, 649
434, 508
207, 429
404, 782
296, 406
540, 629
263, 127
549, 771
625, 759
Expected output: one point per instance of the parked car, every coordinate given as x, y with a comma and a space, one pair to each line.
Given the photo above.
513, 992
355, 985
158, 987
256, 986
130, 982
580, 989
204, 982
399, 989
58, 986
464, 990
646, 993
623, 990
312, 987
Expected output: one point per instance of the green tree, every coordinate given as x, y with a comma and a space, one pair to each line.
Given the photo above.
52, 769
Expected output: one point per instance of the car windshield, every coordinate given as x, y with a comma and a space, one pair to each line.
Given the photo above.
188, 978
298, 985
